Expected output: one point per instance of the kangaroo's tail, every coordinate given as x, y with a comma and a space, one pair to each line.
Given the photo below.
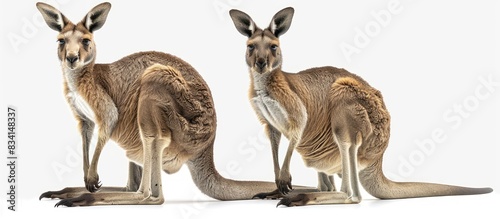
375, 183
210, 182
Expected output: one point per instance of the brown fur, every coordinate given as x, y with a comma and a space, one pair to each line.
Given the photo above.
333, 118
154, 105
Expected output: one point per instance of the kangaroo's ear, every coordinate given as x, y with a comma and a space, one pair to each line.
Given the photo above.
281, 21
243, 23
53, 17
96, 17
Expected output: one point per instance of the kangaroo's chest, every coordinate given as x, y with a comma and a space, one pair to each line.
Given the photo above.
81, 106
271, 110
276, 103
74, 98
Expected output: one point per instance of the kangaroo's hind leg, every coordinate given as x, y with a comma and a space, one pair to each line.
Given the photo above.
150, 189
350, 124
349, 192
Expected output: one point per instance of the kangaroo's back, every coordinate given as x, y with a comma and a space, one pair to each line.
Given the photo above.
122, 79
321, 77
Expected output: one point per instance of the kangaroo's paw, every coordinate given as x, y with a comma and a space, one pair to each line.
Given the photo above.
284, 183
269, 195
92, 183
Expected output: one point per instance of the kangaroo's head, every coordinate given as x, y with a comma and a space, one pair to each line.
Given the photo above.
263, 46
76, 47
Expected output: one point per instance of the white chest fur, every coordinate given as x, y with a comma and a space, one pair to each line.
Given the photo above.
267, 107
271, 110
81, 106
75, 99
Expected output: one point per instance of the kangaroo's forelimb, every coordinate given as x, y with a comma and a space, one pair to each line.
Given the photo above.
326, 183
86, 127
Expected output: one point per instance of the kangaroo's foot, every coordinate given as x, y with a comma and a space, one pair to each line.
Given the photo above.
112, 198
72, 192
316, 198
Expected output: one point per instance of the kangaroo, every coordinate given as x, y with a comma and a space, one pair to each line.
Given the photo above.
333, 118
154, 105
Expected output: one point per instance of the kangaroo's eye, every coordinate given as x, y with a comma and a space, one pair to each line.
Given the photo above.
274, 47
61, 41
251, 47
85, 42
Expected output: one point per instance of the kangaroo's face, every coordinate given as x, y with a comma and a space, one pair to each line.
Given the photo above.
263, 46
76, 47
263, 52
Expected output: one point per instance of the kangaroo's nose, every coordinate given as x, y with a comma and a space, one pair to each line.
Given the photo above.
261, 63
72, 59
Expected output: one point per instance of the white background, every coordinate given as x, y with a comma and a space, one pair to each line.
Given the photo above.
427, 59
